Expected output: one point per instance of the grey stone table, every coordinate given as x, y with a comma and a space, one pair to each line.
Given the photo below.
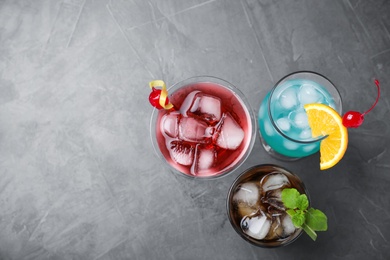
78, 175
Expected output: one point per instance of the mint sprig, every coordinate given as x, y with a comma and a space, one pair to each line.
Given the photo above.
309, 219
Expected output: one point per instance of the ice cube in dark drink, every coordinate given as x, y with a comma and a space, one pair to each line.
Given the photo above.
208, 133
255, 208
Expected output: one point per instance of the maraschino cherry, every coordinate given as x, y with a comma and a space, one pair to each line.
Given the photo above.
354, 119
154, 98
159, 97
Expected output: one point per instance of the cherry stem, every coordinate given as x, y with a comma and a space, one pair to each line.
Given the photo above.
377, 98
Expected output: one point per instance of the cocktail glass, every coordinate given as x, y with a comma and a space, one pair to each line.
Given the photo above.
283, 125
255, 208
208, 133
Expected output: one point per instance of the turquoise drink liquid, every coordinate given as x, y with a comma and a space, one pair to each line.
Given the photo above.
283, 121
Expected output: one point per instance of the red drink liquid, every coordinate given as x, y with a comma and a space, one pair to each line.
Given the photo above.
208, 133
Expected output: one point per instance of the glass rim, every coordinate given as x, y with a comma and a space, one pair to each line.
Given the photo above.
339, 110
229, 198
244, 104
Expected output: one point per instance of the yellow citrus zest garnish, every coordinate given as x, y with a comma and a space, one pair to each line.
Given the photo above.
325, 121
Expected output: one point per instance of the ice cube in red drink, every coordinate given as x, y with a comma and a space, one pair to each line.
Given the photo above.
204, 159
194, 130
230, 134
170, 124
181, 152
202, 105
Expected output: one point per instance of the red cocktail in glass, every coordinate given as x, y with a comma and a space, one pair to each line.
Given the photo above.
209, 131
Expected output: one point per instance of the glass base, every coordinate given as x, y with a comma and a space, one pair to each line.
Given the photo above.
275, 154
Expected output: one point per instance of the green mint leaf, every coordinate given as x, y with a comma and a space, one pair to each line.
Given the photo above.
298, 219
291, 212
289, 198
302, 202
309, 219
316, 220
312, 234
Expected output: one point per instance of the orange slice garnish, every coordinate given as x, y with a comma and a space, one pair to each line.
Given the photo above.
325, 121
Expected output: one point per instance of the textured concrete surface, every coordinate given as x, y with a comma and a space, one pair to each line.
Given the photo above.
78, 175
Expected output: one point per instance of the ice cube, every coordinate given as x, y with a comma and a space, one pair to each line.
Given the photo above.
209, 107
276, 230
256, 227
273, 181
305, 134
299, 118
274, 211
309, 148
290, 145
275, 205
230, 134
181, 153
284, 124
309, 94
247, 193
246, 210
193, 130
268, 128
188, 103
202, 105
288, 226
170, 124
204, 159
288, 98
274, 199
274, 194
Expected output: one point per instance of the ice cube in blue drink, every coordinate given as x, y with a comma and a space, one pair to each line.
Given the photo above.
283, 124
299, 118
308, 93
288, 98
268, 128
305, 134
